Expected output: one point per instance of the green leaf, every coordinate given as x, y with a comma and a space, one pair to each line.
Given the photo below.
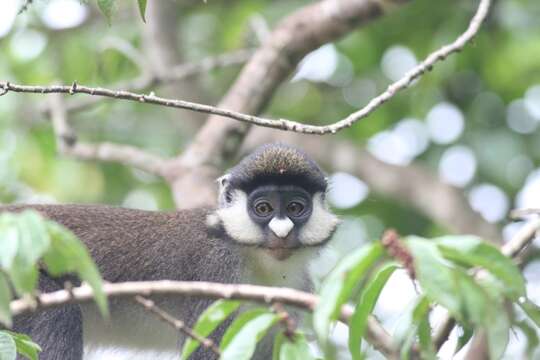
33, 237
106, 7
532, 337
9, 240
142, 9
434, 275
368, 299
8, 350
532, 310
497, 326
338, 286
484, 307
475, 252
408, 342
242, 345
421, 317
475, 300
415, 329
5, 298
298, 349
208, 321
33, 241
486, 312
25, 346
278, 341
463, 339
24, 280
68, 254
239, 323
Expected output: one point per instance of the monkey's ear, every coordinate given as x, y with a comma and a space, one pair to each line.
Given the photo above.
223, 183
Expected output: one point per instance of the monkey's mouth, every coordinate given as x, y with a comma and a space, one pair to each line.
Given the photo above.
280, 248
280, 253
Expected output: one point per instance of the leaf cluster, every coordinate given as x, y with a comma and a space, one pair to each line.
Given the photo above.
470, 278
29, 244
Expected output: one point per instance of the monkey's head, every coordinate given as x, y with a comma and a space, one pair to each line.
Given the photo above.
275, 199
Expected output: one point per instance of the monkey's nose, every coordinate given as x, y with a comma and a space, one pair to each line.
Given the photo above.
281, 227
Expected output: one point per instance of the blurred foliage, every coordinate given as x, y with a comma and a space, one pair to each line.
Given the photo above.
29, 244
496, 69
27, 239
448, 273
12, 344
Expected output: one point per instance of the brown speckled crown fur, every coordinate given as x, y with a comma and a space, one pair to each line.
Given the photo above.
278, 164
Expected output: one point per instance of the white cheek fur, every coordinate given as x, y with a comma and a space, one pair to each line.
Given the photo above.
320, 225
237, 223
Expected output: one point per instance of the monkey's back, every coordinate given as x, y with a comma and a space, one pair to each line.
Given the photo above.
136, 245
131, 245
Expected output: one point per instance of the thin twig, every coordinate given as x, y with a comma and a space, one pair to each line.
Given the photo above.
68, 144
207, 64
26, 4
285, 318
127, 49
523, 213
282, 124
522, 238
176, 323
398, 251
149, 79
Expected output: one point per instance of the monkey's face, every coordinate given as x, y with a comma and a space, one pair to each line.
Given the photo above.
277, 218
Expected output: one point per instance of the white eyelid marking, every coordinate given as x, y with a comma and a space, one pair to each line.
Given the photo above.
281, 227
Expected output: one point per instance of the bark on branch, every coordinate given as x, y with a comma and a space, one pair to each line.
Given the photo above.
333, 10
294, 37
68, 144
376, 335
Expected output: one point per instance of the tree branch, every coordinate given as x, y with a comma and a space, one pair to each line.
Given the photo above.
149, 79
178, 324
68, 144
518, 243
125, 48
376, 335
294, 37
281, 124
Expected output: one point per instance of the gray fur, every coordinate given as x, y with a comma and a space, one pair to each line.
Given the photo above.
132, 245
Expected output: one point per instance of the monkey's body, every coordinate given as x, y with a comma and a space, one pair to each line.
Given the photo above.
271, 220
151, 239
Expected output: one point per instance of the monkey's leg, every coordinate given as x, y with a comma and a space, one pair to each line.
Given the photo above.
58, 330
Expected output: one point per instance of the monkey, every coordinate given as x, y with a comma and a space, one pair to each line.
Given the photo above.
271, 220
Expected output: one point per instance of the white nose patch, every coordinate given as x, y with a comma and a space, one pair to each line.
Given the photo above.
281, 227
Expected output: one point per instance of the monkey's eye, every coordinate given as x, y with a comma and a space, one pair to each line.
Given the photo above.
295, 208
263, 208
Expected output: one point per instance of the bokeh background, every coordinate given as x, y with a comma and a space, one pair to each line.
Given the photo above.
474, 121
